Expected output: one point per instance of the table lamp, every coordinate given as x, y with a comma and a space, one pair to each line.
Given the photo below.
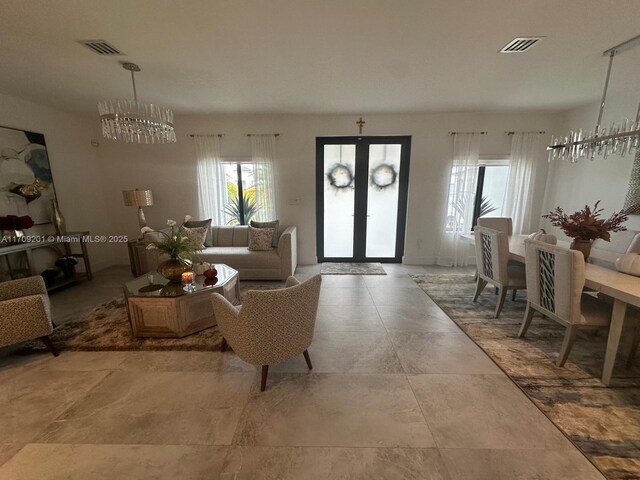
138, 198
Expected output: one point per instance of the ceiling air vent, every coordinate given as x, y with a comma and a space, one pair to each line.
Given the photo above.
520, 44
101, 47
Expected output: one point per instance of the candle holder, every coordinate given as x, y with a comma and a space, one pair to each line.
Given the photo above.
187, 281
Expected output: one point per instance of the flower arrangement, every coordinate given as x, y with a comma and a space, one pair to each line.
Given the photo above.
586, 224
172, 243
13, 222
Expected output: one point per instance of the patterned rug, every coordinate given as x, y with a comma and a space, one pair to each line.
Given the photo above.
107, 328
329, 268
604, 423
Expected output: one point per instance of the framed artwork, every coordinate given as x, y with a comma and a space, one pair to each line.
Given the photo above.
26, 183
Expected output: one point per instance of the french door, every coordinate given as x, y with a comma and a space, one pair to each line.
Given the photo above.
361, 198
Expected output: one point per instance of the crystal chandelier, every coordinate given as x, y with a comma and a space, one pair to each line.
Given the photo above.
133, 121
619, 139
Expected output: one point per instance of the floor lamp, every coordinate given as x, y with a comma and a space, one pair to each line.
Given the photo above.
138, 198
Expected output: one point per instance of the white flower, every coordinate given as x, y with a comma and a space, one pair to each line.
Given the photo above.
187, 218
184, 238
152, 246
146, 230
171, 223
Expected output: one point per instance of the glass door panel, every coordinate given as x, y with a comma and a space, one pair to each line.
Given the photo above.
339, 200
382, 200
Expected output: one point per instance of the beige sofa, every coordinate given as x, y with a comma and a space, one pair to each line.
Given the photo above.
229, 246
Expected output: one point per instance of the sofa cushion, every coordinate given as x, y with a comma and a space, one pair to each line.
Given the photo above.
240, 257
196, 235
274, 224
260, 239
237, 236
202, 223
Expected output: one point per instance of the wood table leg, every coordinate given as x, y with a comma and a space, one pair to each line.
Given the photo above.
615, 331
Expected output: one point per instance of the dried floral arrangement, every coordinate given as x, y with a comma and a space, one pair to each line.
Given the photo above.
586, 224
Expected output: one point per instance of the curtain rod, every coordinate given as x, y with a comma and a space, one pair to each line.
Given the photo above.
205, 135
540, 132
478, 133
256, 134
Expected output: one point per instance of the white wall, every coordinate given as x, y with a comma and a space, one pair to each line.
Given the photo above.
74, 163
571, 186
170, 170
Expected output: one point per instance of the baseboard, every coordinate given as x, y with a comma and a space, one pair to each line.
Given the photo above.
426, 260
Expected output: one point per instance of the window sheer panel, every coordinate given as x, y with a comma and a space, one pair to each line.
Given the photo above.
212, 191
263, 154
453, 250
518, 200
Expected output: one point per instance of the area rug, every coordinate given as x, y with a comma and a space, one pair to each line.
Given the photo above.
603, 422
106, 328
352, 269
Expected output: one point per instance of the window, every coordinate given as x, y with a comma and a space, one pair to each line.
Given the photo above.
491, 188
241, 204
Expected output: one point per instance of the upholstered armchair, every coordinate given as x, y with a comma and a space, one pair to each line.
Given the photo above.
271, 326
25, 313
555, 278
492, 258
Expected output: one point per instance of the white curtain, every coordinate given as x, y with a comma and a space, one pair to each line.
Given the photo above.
518, 199
212, 183
263, 154
458, 218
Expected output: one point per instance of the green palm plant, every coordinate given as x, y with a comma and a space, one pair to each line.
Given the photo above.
486, 207
249, 207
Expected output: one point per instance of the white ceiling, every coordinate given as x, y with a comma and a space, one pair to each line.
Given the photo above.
318, 56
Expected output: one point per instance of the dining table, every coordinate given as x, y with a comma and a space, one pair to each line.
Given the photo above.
624, 289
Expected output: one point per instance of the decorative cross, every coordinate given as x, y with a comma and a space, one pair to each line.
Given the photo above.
360, 123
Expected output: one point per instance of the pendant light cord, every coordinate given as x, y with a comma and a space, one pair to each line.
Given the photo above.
133, 81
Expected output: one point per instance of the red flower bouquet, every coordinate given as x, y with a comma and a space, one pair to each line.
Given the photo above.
586, 224
13, 222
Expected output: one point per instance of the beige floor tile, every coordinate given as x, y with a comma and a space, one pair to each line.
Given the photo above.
343, 281
345, 296
334, 410
422, 352
519, 464
416, 319
184, 362
414, 297
347, 352
363, 318
82, 361
483, 411
156, 408
30, 401
314, 463
7, 451
389, 281
115, 462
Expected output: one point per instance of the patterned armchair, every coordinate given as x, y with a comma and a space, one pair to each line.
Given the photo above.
25, 313
492, 258
272, 325
555, 282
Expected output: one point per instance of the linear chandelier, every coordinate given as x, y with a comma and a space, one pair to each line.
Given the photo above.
133, 121
619, 139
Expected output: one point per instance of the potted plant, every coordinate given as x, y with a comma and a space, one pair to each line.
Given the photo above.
67, 265
175, 244
585, 225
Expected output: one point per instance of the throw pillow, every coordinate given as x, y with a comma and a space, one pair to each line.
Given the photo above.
195, 235
208, 242
260, 239
274, 224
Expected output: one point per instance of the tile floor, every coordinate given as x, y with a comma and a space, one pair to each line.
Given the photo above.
397, 392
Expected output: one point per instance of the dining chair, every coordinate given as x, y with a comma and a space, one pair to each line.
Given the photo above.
492, 259
555, 282
502, 224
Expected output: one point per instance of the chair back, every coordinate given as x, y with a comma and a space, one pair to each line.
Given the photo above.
278, 324
492, 254
605, 253
555, 279
502, 224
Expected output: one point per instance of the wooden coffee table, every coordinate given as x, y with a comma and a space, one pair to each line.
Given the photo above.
158, 308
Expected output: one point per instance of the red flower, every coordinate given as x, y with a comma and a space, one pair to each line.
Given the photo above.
586, 224
13, 222
25, 222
